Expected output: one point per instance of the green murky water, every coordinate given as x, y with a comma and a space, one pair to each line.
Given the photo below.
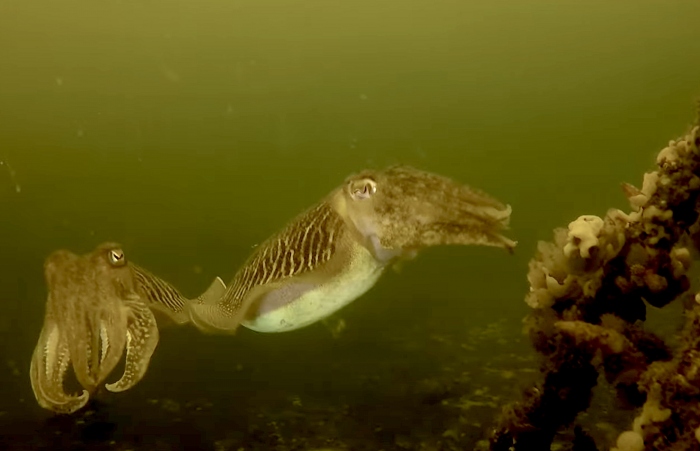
190, 131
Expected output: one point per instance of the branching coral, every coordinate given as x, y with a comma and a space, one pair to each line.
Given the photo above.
589, 289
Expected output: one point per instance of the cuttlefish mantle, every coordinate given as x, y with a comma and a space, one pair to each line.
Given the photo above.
98, 307
334, 252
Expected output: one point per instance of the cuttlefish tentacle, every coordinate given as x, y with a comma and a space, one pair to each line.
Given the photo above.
47, 370
141, 341
337, 250
98, 306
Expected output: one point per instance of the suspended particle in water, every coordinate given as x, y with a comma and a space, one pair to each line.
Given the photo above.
13, 177
12, 365
335, 326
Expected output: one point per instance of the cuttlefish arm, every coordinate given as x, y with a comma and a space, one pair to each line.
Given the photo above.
96, 337
335, 251
141, 341
47, 370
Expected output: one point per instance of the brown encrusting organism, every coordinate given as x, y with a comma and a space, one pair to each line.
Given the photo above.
589, 290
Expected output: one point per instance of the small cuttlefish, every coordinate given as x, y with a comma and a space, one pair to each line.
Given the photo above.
99, 307
335, 251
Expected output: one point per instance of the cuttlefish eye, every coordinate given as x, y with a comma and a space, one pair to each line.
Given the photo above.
116, 257
362, 189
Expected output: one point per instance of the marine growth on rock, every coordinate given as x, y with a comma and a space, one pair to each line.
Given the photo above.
590, 288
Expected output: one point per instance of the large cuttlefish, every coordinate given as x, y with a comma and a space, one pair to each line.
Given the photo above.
335, 251
99, 305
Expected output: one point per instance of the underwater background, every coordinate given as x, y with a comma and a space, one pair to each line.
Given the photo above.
191, 131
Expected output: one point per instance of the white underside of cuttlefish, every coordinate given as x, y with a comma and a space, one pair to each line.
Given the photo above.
95, 313
299, 304
336, 251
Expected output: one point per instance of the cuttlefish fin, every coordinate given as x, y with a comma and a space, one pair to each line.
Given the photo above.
178, 318
162, 297
204, 311
141, 341
210, 315
215, 292
47, 370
